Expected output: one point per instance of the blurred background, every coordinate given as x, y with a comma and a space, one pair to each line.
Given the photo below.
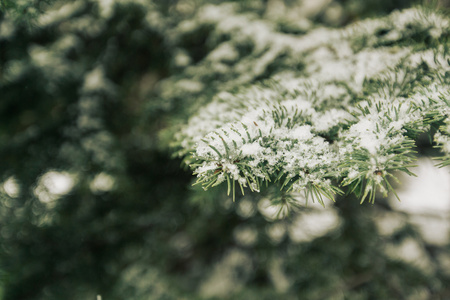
94, 206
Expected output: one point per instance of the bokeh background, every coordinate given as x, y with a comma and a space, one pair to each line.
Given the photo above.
93, 205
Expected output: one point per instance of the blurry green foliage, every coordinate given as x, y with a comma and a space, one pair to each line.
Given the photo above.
81, 99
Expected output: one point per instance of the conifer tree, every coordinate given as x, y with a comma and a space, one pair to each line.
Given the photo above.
272, 105
345, 114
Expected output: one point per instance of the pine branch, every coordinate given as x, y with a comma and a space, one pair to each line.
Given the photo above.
349, 118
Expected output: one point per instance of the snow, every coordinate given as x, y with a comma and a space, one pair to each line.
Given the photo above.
11, 187
309, 226
301, 133
252, 149
53, 184
102, 182
225, 52
364, 133
7, 29
323, 122
429, 192
95, 80
64, 12
106, 8
369, 93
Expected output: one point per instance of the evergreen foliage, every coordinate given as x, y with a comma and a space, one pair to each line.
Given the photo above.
347, 117
278, 100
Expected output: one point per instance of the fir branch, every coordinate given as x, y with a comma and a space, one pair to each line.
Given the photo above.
349, 118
